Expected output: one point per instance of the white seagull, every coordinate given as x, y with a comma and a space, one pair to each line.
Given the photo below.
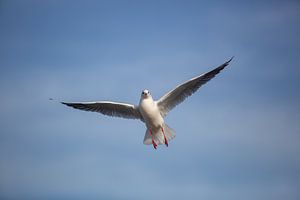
151, 112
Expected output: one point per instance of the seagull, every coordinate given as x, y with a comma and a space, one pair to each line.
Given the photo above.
149, 111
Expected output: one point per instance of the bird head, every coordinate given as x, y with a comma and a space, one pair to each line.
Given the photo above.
145, 94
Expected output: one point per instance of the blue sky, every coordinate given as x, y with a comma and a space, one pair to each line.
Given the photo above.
237, 138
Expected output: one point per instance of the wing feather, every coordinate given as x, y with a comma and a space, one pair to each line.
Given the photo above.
181, 92
109, 108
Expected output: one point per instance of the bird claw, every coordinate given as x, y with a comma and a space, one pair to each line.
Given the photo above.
154, 144
166, 141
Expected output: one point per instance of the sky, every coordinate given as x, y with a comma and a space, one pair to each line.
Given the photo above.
237, 138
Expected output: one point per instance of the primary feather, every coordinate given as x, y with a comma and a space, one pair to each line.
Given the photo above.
109, 108
174, 97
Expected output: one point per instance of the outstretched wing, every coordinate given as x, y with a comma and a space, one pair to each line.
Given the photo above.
181, 92
109, 108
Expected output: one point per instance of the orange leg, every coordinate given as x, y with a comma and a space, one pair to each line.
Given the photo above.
153, 142
166, 141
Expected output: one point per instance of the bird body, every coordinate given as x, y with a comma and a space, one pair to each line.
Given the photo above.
156, 133
151, 112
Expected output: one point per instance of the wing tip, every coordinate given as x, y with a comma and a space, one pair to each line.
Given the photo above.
227, 62
65, 103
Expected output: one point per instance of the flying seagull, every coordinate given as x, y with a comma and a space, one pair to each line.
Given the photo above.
149, 111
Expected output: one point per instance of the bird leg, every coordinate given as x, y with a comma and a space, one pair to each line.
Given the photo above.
166, 141
153, 142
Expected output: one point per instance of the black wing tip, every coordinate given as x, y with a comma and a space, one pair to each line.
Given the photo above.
73, 105
221, 67
65, 103
227, 62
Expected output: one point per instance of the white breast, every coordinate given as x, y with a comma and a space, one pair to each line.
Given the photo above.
151, 114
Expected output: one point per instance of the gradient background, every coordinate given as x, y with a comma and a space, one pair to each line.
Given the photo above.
237, 138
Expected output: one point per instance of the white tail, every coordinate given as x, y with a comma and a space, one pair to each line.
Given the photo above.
159, 137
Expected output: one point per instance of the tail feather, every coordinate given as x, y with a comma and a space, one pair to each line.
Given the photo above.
148, 137
159, 137
169, 132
